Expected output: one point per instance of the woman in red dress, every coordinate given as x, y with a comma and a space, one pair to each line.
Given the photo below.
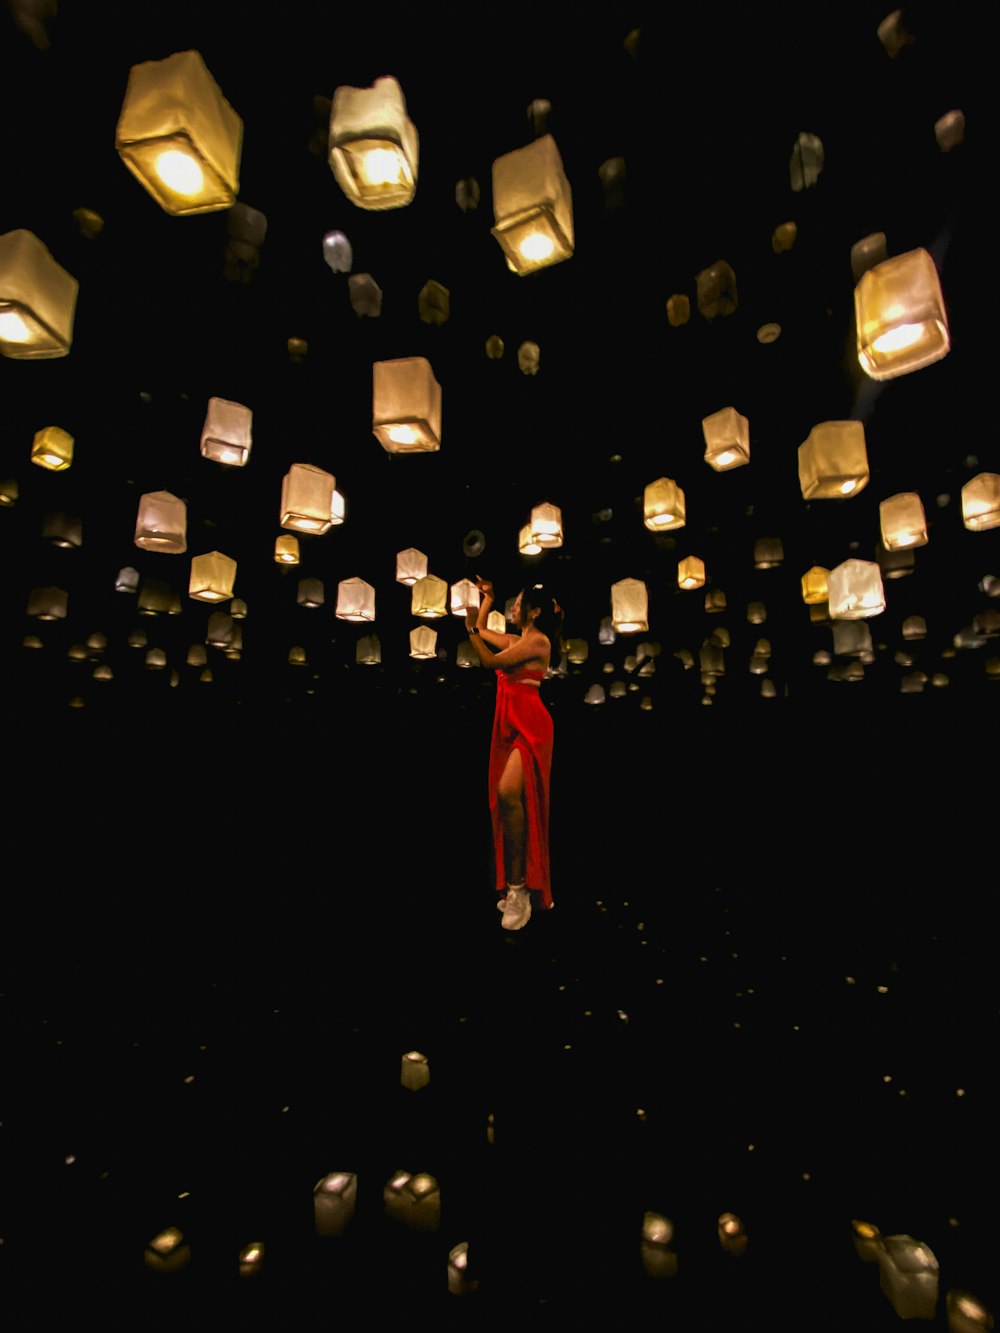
521, 748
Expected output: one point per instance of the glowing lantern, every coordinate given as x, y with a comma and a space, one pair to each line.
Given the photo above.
678, 310
168, 1251
434, 303
529, 357
866, 253
466, 656
526, 543
594, 695
310, 593
212, 577
423, 642
691, 572
355, 600
196, 655
815, 585
577, 651
47, 603
238, 610
428, 598
658, 1259
914, 627
252, 1259
727, 439
37, 300
966, 1314
52, 447
949, 130
63, 530
286, 549
8, 491
851, 638
833, 461
494, 347
179, 136
715, 600
867, 1241
374, 146
413, 1200
732, 1235
908, 1275
546, 526
783, 237
856, 590
365, 295
768, 552
981, 502
226, 436
297, 656
406, 406
464, 597
900, 316
663, 506
806, 162
532, 207
715, 290
415, 1072
337, 252
156, 659
368, 651
629, 606
893, 34
335, 1198
411, 565
307, 499
496, 622
137, 639
103, 672
161, 524
756, 613
460, 1283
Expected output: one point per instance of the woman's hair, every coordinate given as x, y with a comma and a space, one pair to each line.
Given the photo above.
550, 614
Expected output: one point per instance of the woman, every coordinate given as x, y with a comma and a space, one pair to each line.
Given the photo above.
521, 748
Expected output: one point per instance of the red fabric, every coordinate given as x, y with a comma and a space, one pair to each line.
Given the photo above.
522, 722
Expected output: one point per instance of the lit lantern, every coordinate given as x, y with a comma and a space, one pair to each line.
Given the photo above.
727, 439
616, 690
127, 580
307, 499
526, 543
227, 434
576, 651
691, 572
815, 587
97, 643
428, 598
464, 596
298, 350
37, 300
732, 1235
900, 316
137, 638
466, 656
413, 1200
893, 34
252, 1259
286, 549
415, 1072
220, 629
532, 207
337, 252
768, 552
168, 1251
196, 655
494, 347
297, 656
459, 1281
678, 310
63, 530
756, 613
529, 358
335, 1198
212, 577
594, 695
715, 290
685, 657
939, 680
646, 703
629, 606
52, 448
856, 590
238, 610
833, 461
8, 491
179, 136
715, 600
768, 690
546, 526
206, 676
495, 621
47, 603
434, 303
658, 1259
77, 653
783, 237
406, 406
981, 502
161, 524
908, 1276
711, 662
156, 659
467, 194
895, 564
423, 642
310, 593
411, 565
365, 295
806, 162
851, 638
758, 665
103, 672
949, 130
663, 506
355, 600
374, 146
721, 637
606, 632
368, 651
966, 1314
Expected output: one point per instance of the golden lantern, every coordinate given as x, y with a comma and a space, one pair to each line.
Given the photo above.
238, 610
663, 506
900, 316
310, 593
629, 606
355, 601
966, 1314
307, 499
103, 672
546, 526
532, 207
715, 290
196, 655
415, 1072
9, 491
286, 549
577, 651
595, 695
37, 300
429, 597
423, 642
851, 638
373, 145
768, 689
496, 622
833, 461
137, 638
161, 524
179, 136
732, 1235
463, 596
526, 543
212, 577
783, 237
63, 530
768, 552
856, 590
335, 1198
297, 656
406, 406
434, 303
156, 659
678, 310
411, 565
460, 1283
658, 1259
529, 358
52, 448
949, 130
47, 603
168, 1251
252, 1259
727, 439
908, 1276
756, 613
914, 627
867, 1241
413, 1200
368, 651
466, 656
691, 572
227, 435
494, 347
206, 676
981, 502
815, 587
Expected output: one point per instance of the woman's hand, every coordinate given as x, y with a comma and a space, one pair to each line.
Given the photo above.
485, 588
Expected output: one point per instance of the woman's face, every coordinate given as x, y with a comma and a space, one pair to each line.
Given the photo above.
515, 612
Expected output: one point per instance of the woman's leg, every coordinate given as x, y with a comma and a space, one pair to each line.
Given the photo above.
510, 794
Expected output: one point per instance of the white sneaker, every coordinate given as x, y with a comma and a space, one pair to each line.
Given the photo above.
517, 909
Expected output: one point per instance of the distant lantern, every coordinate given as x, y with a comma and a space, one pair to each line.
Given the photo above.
168, 1251
663, 506
52, 447
137, 638
466, 656
629, 606
867, 1241
678, 310
594, 695
909, 1276
900, 316
103, 672
529, 357
374, 146
467, 194
851, 638
526, 543
226, 436
238, 610
9, 491
127, 580
338, 509
617, 690
893, 34
577, 651
460, 1281
368, 651
297, 656
981, 502
161, 524
496, 622
783, 237
868, 252
310, 593
411, 565
337, 252
429, 597
546, 525
815, 585
179, 136
156, 659
423, 642
856, 590
806, 162
406, 406
63, 530
298, 350
720, 636
833, 461
914, 627
756, 613
306, 499
727, 439
365, 295
37, 300
206, 676
715, 600
711, 662
355, 601
196, 655
47, 603
286, 549
606, 632
768, 690
413, 1200
415, 1071
732, 1235
949, 130
434, 303
494, 347
463, 597
658, 1259
251, 1259
691, 572
967, 1314
334, 1201
715, 289
212, 577
768, 552
532, 207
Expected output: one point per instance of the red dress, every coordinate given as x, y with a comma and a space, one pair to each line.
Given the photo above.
522, 722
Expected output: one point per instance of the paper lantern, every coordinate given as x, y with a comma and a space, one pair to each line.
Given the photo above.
63, 530
981, 502
156, 659
691, 572
663, 506
428, 598
337, 252
783, 237
137, 638
212, 577
423, 642
711, 662
466, 656
9, 491
411, 565
526, 543
908, 1275
678, 310
833, 461
310, 593
460, 1282
365, 295
867, 1241
37, 300
658, 1259
368, 651
546, 526
496, 622
52, 449
629, 606
756, 613
406, 406
103, 672
900, 316
47, 603
594, 695
220, 629
949, 130
529, 356
715, 600
966, 1314
196, 655
161, 523
806, 162
335, 1198
494, 347
286, 549
895, 564
893, 34
415, 1072
768, 552
355, 601
467, 194
238, 610
227, 435
914, 627
297, 656
815, 585
732, 1235
307, 499
168, 1251
577, 651
374, 146
606, 632
252, 1259
851, 638
413, 1200
179, 136
464, 596
856, 590
727, 439
434, 303
715, 291
532, 207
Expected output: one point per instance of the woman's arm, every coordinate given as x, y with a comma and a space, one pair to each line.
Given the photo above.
522, 648
498, 641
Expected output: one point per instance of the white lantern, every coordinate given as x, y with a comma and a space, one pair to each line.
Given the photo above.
495, 621
161, 524
629, 606
307, 499
415, 1071
594, 695
658, 1259
833, 461
156, 659
411, 565
856, 590
902, 521
167, 1251
526, 543
546, 526
727, 439
355, 600
212, 577
981, 502
406, 406
606, 632
966, 1314
532, 207
374, 146
37, 300
663, 506
428, 597
334, 1201
423, 642
368, 651
226, 436
464, 596
900, 316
